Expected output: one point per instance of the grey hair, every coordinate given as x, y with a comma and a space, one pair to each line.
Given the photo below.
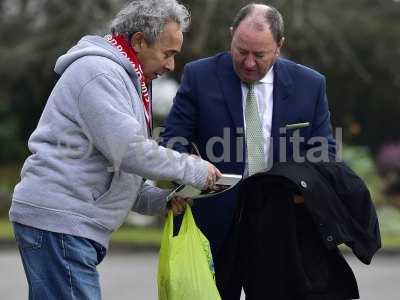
271, 16
149, 17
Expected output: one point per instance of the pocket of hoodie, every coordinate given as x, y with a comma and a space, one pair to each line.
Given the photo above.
100, 197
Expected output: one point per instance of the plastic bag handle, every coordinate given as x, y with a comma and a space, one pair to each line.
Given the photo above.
188, 222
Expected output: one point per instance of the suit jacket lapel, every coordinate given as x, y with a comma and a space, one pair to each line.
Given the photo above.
283, 88
231, 88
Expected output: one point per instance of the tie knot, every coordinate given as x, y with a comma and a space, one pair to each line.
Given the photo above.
250, 86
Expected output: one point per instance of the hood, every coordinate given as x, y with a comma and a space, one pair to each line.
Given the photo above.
92, 46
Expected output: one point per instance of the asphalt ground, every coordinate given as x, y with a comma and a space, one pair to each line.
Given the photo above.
133, 276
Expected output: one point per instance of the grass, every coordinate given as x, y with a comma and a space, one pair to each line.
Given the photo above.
151, 237
137, 236
9, 176
391, 242
130, 236
6, 231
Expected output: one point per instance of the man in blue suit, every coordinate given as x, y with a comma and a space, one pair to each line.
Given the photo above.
211, 110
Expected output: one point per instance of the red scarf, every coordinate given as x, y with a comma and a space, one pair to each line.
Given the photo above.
126, 50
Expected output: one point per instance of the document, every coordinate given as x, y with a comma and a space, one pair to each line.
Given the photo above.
223, 184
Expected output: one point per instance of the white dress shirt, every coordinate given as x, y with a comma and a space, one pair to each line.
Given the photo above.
264, 91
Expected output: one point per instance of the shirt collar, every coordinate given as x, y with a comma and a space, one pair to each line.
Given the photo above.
269, 77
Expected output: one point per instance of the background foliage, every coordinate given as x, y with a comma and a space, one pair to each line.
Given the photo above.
355, 44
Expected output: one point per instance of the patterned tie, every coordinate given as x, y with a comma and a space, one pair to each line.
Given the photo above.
254, 135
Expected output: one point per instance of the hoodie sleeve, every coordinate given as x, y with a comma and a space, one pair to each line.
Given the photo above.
113, 129
151, 200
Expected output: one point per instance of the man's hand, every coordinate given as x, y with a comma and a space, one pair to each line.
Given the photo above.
178, 204
213, 175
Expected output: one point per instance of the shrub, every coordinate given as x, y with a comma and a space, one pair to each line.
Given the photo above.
388, 163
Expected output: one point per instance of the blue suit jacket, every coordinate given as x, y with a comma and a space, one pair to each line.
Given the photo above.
208, 109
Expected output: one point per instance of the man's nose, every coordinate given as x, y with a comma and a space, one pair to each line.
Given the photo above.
170, 65
249, 62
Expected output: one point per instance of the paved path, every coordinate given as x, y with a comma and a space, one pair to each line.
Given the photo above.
132, 277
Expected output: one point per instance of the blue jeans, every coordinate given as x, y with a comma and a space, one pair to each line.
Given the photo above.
59, 266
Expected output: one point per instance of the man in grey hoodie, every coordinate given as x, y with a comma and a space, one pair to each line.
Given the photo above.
92, 149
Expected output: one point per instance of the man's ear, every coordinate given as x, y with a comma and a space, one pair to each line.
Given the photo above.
280, 45
137, 41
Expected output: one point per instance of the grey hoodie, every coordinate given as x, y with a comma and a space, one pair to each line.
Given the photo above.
90, 150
